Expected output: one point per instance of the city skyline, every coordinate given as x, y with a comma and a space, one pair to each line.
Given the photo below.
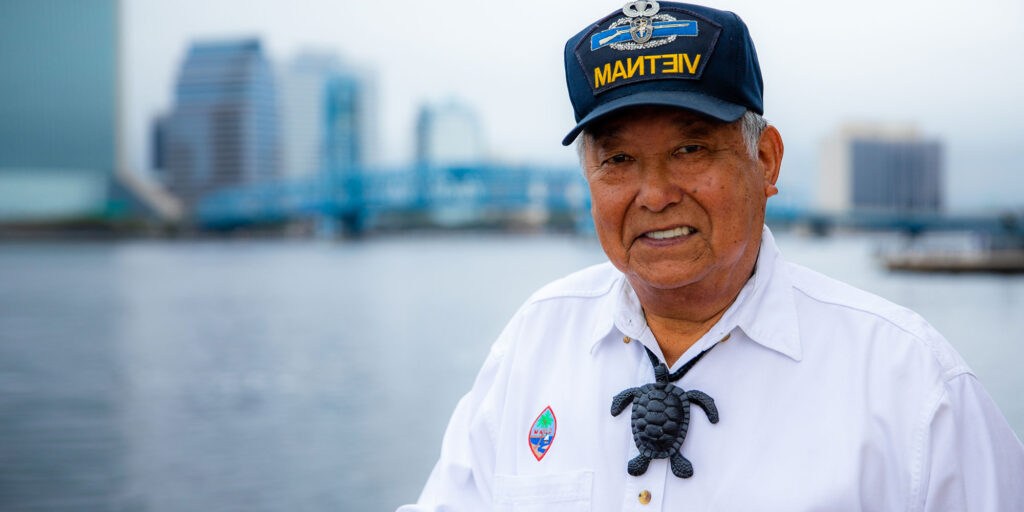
922, 63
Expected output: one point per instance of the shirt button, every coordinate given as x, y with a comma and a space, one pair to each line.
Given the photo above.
727, 336
625, 339
645, 497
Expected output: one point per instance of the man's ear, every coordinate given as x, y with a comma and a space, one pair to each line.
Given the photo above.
769, 158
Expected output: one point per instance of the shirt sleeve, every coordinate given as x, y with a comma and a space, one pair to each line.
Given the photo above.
972, 460
463, 476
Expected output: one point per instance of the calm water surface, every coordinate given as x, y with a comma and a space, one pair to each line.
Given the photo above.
274, 376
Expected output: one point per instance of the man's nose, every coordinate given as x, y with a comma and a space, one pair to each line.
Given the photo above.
659, 188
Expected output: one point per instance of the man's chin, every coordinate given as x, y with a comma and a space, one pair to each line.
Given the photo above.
667, 276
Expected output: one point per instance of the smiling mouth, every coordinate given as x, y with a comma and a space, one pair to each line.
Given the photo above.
670, 233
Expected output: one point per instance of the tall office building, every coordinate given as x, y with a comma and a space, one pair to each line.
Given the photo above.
449, 134
223, 130
327, 116
58, 93
880, 167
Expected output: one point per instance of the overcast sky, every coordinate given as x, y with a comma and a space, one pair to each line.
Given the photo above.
953, 69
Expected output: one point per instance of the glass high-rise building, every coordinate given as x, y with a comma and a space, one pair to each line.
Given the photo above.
896, 175
58, 94
223, 130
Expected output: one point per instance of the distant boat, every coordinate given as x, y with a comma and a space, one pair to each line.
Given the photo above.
1004, 261
964, 252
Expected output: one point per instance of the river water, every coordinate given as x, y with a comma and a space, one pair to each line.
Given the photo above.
304, 375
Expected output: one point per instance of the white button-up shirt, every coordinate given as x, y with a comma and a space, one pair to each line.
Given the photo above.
830, 399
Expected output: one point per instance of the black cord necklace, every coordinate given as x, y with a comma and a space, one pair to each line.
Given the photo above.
661, 416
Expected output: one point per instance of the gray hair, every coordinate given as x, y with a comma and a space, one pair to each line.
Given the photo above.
752, 124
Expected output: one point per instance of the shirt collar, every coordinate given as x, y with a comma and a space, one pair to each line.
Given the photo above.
764, 309
619, 312
770, 317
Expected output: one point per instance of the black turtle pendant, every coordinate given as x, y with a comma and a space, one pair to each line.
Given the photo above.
661, 417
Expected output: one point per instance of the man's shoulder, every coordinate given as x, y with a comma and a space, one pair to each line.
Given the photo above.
832, 299
830, 292
592, 282
573, 306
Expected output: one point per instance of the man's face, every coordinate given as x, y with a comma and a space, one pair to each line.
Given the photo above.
676, 197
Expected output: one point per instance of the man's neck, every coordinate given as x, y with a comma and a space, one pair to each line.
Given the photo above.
679, 317
675, 335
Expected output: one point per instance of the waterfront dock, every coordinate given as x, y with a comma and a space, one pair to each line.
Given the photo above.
1006, 261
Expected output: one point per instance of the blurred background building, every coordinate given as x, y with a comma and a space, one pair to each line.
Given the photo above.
223, 130
327, 115
880, 167
58, 140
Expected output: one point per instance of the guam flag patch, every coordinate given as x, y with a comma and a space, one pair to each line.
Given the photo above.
542, 433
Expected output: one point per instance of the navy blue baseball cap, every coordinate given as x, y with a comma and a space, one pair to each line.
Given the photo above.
663, 53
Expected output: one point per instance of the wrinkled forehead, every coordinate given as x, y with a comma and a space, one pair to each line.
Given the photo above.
684, 121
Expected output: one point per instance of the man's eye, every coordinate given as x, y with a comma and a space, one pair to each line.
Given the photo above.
691, 148
618, 159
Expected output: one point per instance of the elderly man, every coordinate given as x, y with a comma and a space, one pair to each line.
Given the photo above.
698, 370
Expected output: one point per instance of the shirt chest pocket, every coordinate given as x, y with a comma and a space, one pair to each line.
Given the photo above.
558, 492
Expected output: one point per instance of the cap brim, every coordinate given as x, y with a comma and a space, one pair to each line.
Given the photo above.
700, 103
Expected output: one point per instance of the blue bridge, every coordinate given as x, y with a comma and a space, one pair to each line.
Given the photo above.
359, 199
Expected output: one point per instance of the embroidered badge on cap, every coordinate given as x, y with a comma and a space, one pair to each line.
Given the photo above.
642, 27
648, 43
542, 433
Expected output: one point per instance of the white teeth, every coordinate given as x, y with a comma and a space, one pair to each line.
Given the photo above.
669, 233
